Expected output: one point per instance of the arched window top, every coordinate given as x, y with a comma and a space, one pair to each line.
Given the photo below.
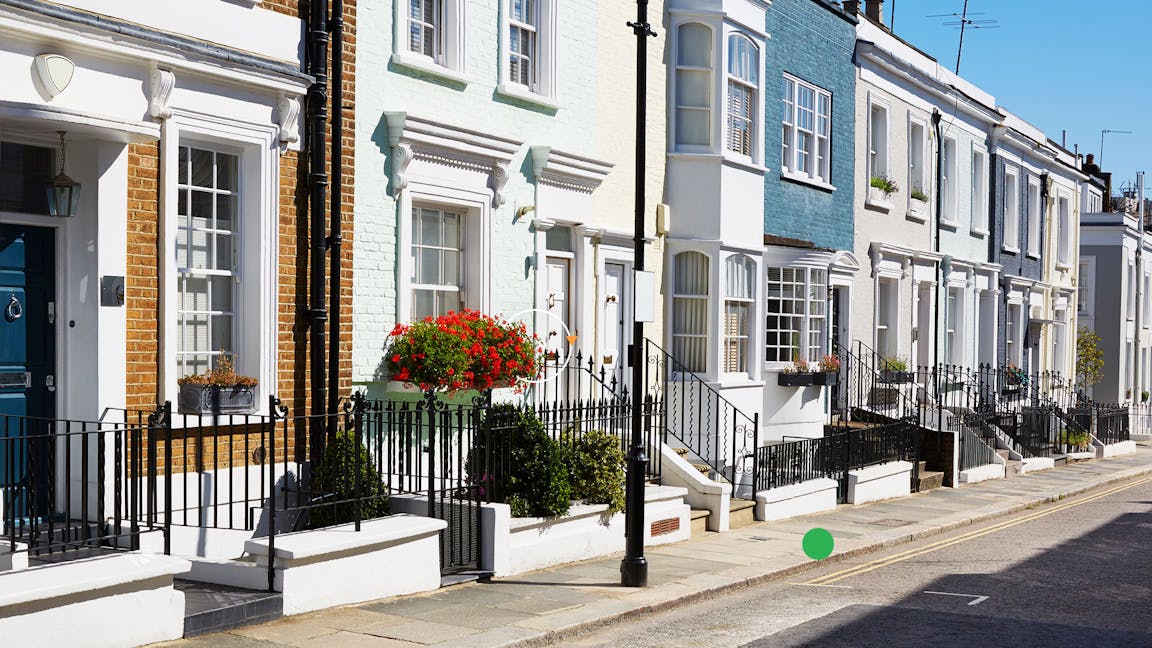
690, 274
740, 271
743, 59
694, 45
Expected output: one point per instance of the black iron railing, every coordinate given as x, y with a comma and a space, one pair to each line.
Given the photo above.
1113, 423
974, 451
699, 418
67, 485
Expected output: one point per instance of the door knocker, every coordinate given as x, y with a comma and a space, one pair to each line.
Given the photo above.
14, 310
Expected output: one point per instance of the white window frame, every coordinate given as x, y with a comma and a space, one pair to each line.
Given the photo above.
1011, 210
886, 331
917, 149
879, 157
416, 247
476, 240
750, 89
1014, 335
1035, 216
956, 297
949, 181
1130, 289
1059, 338
739, 341
1086, 285
257, 258
979, 190
818, 169
709, 71
808, 293
701, 338
543, 90
1063, 231
449, 61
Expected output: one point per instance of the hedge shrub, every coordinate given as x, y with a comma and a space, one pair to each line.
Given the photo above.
334, 480
596, 463
517, 463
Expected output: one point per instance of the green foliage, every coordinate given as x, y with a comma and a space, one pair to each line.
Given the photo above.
1075, 438
596, 463
919, 195
1089, 358
334, 479
517, 463
894, 363
887, 185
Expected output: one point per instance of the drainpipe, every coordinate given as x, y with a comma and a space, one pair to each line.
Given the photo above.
1137, 385
317, 50
942, 278
334, 238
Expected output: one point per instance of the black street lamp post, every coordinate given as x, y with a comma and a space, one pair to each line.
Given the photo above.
634, 567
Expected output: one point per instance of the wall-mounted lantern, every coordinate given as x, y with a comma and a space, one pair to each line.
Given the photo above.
63, 192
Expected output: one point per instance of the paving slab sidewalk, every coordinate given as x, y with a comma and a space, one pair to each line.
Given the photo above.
550, 604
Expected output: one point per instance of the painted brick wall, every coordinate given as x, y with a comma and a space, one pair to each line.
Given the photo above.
1017, 264
812, 40
141, 288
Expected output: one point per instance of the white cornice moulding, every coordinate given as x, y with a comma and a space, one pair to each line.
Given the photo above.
412, 137
567, 170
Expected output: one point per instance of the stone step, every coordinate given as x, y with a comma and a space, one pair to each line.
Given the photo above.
929, 479
1014, 468
699, 522
215, 608
1004, 454
741, 513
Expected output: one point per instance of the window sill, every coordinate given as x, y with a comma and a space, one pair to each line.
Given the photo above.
917, 215
521, 93
744, 162
427, 66
736, 380
805, 179
1032, 255
1063, 265
950, 225
980, 233
878, 205
1010, 250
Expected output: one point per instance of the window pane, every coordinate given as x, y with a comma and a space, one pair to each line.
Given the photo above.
451, 230
199, 250
221, 333
694, 45
742, 59
423, 304
429, 271
201, 168
225, 212
182, 248
195, 337
692, 127
226, 172
182, 208
221, 294
201, 209
692, 89
223, 252
451, 261
195, 295
429, 227
182, 172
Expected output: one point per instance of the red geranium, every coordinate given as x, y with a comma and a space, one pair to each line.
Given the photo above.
487, 351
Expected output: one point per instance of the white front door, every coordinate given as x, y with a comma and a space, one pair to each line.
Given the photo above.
556, 302
613, 337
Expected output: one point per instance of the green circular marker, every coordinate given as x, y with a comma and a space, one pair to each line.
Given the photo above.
818, 544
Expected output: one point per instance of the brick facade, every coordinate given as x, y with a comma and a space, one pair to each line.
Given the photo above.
141, 287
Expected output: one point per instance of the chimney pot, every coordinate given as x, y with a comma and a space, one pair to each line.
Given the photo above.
852, 6
874, 10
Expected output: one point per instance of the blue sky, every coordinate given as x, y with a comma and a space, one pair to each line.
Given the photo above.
1059, 64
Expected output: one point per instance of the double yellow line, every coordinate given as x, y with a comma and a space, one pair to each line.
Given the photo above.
941, 544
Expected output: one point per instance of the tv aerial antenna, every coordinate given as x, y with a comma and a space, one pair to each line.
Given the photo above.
963, 22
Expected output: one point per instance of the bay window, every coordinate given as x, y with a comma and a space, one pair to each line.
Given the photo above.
805, 147
690, 310
693, 95
739, 298
743, 81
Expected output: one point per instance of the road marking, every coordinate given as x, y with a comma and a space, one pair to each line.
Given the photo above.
977, 598
941, 544
818, 585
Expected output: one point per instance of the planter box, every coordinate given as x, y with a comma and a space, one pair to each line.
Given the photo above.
896, 377
826, 378
210, 399
1009, 390
796, 379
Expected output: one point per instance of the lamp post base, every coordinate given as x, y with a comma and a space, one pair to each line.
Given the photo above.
634, 572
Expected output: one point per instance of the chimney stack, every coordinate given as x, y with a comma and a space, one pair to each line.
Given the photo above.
851, 7
874, 10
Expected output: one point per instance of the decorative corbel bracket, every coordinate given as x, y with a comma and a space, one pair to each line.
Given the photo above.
160, 86
287, 117
497, 179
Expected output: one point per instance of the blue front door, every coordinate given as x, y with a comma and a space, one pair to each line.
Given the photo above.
27, 368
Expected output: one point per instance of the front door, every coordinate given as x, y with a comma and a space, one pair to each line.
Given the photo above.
614, 337
27, 367
559, 323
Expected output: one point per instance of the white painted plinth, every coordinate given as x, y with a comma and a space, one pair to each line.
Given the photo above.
11, 561
110, 601
518, 545
982, 473
1032, 464
321, 568
811, 496
703, 493
1115, 449
885, 481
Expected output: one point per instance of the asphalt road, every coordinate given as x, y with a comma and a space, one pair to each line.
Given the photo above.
1072, 573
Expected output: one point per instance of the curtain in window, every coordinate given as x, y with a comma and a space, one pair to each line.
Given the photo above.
690, 310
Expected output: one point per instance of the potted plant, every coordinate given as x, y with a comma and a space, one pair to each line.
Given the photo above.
880, 189
1014, 379
464, 350
917, 194
1077, 439
829, 371
218, 391
798, 375
894, 371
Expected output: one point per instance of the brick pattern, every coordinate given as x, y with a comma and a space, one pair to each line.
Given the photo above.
141, 289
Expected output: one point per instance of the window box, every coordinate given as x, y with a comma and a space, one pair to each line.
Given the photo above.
826, 378
892, 377
796, 379
951, 386
1010, 390
212, 399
